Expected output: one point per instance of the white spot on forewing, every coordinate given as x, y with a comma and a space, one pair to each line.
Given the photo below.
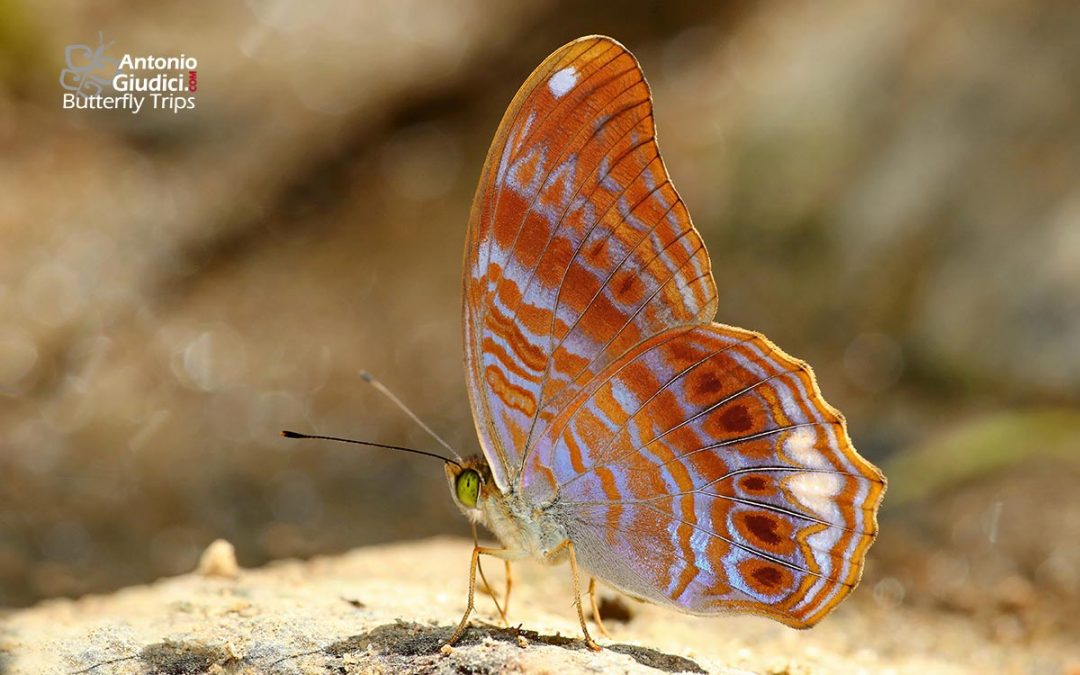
817, 491
563, 81
799, 447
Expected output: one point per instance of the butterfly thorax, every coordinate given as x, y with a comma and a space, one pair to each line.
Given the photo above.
523, 528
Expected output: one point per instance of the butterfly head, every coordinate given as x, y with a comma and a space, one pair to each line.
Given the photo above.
469, 483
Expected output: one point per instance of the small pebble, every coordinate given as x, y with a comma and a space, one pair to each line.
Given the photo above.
219, 560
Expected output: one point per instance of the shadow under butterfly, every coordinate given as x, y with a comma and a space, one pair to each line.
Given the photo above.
683, 462
406, 639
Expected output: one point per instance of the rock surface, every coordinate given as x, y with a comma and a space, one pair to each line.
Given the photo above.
389, 608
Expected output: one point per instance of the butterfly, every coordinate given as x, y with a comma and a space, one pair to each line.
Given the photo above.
681, 461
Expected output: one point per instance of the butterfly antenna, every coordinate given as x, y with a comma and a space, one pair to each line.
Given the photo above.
296, 434
381, 388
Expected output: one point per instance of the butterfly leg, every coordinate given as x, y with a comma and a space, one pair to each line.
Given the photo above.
487, 585
569, 546
490, 590
506, 597
476, 553
596, 608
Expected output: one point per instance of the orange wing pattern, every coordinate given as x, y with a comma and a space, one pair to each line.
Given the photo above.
578, 246
704, 471
692, 464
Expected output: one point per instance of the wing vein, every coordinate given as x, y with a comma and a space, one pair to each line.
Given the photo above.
650, 399
557, 163
513, 123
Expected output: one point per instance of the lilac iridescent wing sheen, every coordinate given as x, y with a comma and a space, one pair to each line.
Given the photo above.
704, 471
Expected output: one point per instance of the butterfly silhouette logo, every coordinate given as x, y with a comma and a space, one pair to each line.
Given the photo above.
89, 70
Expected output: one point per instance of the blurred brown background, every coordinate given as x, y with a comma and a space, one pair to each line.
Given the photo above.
890, 190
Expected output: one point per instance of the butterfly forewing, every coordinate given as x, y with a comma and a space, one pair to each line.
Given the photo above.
578, 248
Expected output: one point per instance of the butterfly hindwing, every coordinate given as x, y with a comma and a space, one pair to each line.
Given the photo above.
704, 471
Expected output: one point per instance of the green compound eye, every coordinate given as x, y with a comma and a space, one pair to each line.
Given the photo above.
468, 487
